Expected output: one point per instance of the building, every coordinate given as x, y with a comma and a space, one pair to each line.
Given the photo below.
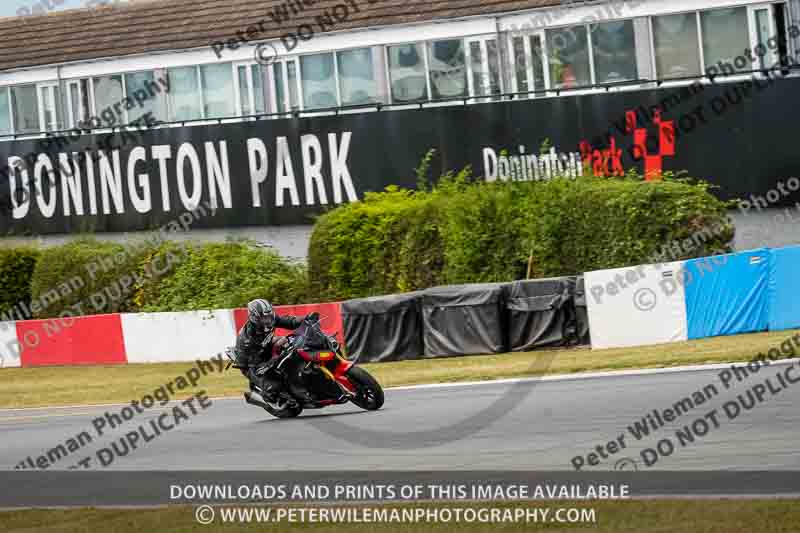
270, 112
23, 8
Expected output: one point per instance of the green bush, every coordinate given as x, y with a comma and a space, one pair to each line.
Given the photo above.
91, 277
219, 276
465, 232
393, 244
16, 272
85, 277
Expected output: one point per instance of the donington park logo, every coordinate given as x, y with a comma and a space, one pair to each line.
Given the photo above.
604, 158
650, 149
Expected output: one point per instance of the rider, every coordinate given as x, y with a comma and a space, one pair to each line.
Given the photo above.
257, 346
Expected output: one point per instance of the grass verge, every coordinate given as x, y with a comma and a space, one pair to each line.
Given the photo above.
706, 516
52, 386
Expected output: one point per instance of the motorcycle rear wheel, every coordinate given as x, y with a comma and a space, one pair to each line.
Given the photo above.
369, 393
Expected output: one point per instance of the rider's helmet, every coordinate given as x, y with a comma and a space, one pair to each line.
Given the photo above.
262, 315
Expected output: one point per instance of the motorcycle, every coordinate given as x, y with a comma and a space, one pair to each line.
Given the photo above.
316, 375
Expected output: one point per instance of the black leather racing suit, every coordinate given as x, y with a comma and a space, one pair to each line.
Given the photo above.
252, 352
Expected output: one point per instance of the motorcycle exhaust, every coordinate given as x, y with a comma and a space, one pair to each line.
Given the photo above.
253, 399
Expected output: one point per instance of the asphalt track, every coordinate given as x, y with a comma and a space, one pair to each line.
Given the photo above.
530, 425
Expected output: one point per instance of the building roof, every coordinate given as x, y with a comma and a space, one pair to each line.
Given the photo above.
165, 25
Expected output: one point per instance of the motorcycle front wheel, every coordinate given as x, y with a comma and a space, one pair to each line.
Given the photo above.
369, 393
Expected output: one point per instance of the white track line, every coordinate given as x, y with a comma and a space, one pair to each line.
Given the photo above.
557, 377
593, 375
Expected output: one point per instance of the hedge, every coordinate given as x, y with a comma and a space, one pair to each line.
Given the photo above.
468, 232
221, 276
16, 273
86, 277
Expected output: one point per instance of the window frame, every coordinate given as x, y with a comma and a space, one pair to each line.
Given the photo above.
528, 52
772, 56
287, 99
387, 68
301, 94
11, 129
590, 50
251, 89
202, 88
49, 88
483, 43
201, 102
593, 66
93, 100
375, 74
701, 42
428, 45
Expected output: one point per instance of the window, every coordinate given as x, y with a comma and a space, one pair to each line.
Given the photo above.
447, 64
78, 102
677, 49
319, 81
568, 54
184, 94
144, 81
614, 49
528, 57
250, 89
49, 106
5, 112
286, 92
280, 87
218, 95
357, 84
484, 67
768, 42
726, 39
292, 81
25, 107
407, 73
109, 91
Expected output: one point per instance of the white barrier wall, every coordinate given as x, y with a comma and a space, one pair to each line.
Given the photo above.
9, 346
160, 337
636, 306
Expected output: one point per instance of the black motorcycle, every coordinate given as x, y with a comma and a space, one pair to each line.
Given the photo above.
315, 374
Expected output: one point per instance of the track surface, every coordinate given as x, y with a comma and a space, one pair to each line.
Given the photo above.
533, 425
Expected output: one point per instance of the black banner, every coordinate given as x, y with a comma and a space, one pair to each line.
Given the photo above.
738, 136
81, 489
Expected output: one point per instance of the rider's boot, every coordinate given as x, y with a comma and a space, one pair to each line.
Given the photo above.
270, 379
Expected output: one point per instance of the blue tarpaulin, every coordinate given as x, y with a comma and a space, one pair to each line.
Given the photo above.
784, 289
727, 294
